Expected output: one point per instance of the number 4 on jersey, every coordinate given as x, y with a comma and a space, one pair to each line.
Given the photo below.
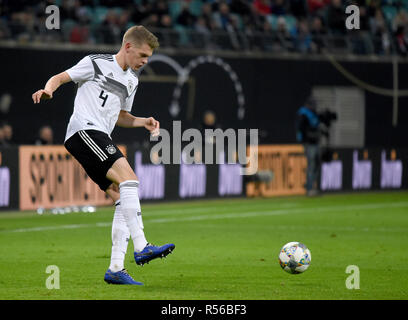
103, 97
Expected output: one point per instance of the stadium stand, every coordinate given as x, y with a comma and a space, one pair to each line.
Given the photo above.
305, 26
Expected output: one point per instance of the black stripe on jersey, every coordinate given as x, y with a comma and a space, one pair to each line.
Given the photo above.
108, 57
101, 55
109, 84
103, 58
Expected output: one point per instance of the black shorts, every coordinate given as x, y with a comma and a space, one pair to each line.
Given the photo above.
96, 152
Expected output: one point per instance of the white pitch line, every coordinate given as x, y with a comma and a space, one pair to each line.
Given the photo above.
183, 211
59, 227
231, 215
279, 212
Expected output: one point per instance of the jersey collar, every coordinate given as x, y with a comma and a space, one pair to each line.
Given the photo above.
118, 65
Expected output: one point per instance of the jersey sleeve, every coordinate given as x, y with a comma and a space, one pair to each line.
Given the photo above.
82, 71
129, 102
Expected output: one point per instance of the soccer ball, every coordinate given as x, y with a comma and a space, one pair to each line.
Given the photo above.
294, 257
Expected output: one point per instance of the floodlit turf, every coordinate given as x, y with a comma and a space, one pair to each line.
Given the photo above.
225, 249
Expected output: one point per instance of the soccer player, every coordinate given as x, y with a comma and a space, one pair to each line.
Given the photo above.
106, 88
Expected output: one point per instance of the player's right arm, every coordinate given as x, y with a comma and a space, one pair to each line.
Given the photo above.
52, 84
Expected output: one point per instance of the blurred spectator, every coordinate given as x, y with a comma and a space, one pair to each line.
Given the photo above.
266, 27
361, 38
283, 33
45, 136
2, 141
298, 8
80, 33
402, 40
317, 6
382, 43
109, 29
318, 33
4, 29
201, 27
68, 10
262, 7
141, 12
302, 37
376, 21
186, 18
207, 16
400, 20
372, 7
279, 7
336, 17
166, 22
245, 11
20, 24
364, 19
209, 121
152, 21
224, 17
8, 134
160, 8
3, 135
123, 22
241, 7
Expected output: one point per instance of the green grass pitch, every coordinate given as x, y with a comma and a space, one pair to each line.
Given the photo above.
225, 249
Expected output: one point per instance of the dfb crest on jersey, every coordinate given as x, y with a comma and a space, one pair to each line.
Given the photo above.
130, 86
111, 149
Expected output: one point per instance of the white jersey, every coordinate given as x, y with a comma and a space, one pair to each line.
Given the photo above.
103, 90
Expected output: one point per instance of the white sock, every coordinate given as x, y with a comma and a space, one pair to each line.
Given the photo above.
120, 238
130, 207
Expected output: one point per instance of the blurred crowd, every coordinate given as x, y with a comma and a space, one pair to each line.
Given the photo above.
45, 136
296, 25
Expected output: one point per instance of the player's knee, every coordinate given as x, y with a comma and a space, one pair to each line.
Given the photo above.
129, 176
119, 175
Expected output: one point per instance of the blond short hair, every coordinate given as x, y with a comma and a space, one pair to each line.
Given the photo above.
140, 35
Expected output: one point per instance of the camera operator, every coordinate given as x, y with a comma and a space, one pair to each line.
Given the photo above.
308, 132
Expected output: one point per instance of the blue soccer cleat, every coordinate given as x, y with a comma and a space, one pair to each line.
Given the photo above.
151, 252
120, 277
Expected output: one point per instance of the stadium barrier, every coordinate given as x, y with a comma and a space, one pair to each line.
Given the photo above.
46, 177
288, 165
341, 169
9, 178
364, 169
52, 178
244, 91
33, 177
184, 181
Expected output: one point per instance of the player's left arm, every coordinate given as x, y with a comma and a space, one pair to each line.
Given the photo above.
52, 84
127, 120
